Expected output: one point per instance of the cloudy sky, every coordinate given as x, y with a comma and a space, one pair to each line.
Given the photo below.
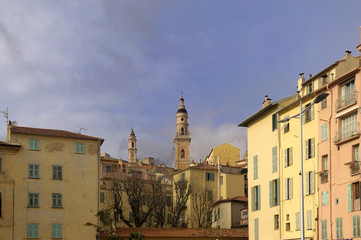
112, 64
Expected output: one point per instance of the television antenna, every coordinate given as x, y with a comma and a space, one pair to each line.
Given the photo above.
81, 129
6, 114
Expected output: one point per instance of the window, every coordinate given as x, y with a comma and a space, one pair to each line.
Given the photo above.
310, 148
339, 230
255, 167
182, 131
310, 183
217, 214
57, 172
288, 188
56, 230
256, 236
348, 94
256, 197
209, 176
309, 220
274, 159
298, 221
324, 104
274, 187
168, 200
355, 165
288, 157
108, 168
183, 176
274, 122
324, 169
101, 197
308, 115
324, 197
356, 226
210, 195
33, 171
309, 88
182, 153
1, 164
353, 196
1, 201
324, 132
349, 126
79, 147
57, 200
325, 163
33, 200
33, 144
221, 180
33, 230
323, 230
277, 221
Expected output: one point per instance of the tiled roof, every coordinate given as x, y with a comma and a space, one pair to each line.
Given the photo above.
184, 232
235, 199
52, 132
6, 144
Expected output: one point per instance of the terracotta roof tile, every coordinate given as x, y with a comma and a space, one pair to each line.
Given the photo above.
184, 232
52, 132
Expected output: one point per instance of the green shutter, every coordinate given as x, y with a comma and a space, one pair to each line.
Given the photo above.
102, 197
291, 156
285, 157
212, 176
270, 193
349, 205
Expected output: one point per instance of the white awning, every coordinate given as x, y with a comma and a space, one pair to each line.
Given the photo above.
346, 112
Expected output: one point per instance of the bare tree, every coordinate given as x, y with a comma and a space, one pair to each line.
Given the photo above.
182, 191
202, 209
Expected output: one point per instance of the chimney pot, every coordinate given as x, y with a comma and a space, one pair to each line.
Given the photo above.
348, 52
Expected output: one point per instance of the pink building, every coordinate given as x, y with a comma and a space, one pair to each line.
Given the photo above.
338, 149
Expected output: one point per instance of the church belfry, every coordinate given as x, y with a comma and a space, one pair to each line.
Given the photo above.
132, 148
182, 138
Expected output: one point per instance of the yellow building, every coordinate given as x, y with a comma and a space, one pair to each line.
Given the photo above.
55, 177
227, 153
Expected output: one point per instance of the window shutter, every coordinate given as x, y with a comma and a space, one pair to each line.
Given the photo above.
354, 226
312, 147
252, 198
285, 156
30, 230
286, 188
256, 237
312, 112
307, 150
277, 193
298, 221
274, 159
270, 194
53, 230
307, 183
309, 219
259, 197
255, 166
312, 178
291, 187
290, 156
349, 197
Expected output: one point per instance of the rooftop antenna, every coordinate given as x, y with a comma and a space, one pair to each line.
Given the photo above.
182, 94
81, 129
6, 114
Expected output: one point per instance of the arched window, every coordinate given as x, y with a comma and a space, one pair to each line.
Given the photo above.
182, 131
132, 144
182, 153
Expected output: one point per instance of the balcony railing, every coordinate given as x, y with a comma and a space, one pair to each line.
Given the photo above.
324, 176
355, 167
350, 131
346, 100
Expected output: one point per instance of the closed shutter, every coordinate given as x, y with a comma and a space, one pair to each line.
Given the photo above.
298, 221
255, 167
274, 159
285, 156
312, 178
307, 150
256, 237
312, 147
309, 220
259, 197
270, 193
307, 183
312, 112
286, 188
253, 198
290, 156
277, 192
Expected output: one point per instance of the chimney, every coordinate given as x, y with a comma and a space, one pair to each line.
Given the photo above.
8, 138
266, 102
347, 54
301, 80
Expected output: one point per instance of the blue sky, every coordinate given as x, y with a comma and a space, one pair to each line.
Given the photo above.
109, 65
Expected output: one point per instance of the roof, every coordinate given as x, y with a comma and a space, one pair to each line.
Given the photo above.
235, 199
7, 144
52, 132
263, 110
184, 232
201, 166
182, 110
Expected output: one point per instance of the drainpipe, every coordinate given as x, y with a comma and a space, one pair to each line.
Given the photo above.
329, 161
280, 176
219, 180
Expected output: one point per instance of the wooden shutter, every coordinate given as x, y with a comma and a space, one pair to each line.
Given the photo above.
307, 150
291, 188
312, 147
274, 159
259, 197
253, 198
256, 237
309, 219
290, 156
286, 188
277, 192
312, 112
285, 157
255, 167
307, 183
298, 221
271, 193
312, 178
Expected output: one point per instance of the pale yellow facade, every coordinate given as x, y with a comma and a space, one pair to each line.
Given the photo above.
227, 153
46, 201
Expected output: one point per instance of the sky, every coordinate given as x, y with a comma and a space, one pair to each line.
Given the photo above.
111, 65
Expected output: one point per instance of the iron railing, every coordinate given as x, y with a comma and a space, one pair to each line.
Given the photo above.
348, 132
346, 100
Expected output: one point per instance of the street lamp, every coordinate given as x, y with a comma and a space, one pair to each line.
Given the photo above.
318, 99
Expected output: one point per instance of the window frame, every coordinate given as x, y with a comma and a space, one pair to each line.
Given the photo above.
33, 200
56, 230
34, 171
57, 172
33, 230
80, 148
57, 200
34, 144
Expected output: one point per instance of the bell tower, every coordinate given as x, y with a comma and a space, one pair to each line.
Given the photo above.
132, 148
182, 138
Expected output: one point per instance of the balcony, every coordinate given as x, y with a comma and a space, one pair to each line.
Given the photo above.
346, 100
355, 168
324, 176
343, 134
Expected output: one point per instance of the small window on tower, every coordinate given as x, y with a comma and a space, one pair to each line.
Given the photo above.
182, 119
132, 144
182, 153
182, 131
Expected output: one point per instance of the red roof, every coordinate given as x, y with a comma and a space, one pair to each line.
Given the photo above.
52, 132
184, 232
